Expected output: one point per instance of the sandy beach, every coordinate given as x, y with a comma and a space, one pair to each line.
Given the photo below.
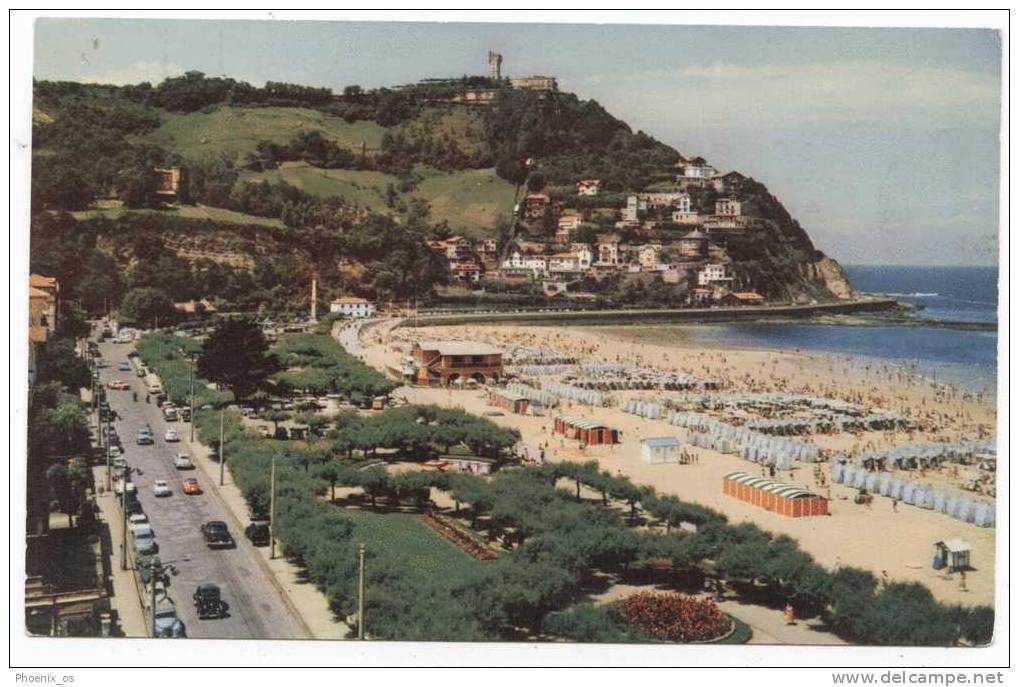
894, 542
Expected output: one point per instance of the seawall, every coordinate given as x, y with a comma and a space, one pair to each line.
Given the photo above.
595, 317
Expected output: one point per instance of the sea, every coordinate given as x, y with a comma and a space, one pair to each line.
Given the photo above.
958, 356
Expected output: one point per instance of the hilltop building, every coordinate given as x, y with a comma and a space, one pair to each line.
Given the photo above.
535, 83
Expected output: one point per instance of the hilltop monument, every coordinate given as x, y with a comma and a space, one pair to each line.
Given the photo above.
494, 66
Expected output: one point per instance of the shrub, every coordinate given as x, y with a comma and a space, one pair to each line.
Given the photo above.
674, 617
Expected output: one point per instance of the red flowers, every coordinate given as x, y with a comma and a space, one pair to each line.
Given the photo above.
674, 617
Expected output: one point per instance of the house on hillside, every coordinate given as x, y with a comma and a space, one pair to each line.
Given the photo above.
352, 306
588, 187
713, 274
536, 207
728, 207
608, 250
563, 262
728, 183
695, 172
172, 184
694, 244
648, 256
743, 298
466, 271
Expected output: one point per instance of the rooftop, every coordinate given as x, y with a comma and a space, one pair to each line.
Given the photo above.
350, 299
459, 348
660, 442
42, 282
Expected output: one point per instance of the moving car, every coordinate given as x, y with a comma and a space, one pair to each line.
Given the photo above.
118, 385
124, 366
171, 435
143, 539
183, 462
191, 487
161, 488
208, 602
167, 625
257, 532
145, 437
217, 536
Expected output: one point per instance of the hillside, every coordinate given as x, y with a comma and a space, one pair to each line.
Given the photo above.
310, 165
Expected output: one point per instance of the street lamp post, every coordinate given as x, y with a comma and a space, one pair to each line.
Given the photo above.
191, 381
272, 508
109, 483
360, 591
221, 466
123, 511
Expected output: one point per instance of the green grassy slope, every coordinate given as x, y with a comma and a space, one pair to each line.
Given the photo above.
187, 211
363, 188
236, 130
470, 200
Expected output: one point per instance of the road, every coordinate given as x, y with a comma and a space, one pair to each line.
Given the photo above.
256, 609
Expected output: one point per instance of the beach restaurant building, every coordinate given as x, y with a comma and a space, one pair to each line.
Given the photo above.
784, 499
587, 431
442, 363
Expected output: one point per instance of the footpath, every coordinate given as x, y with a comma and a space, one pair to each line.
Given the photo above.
125, 599
306, 602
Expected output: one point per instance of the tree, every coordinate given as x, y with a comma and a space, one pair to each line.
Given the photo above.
331, 473
536, 182
236, 356
57, 362
146, 306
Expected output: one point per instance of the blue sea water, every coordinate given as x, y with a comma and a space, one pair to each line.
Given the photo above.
960, 294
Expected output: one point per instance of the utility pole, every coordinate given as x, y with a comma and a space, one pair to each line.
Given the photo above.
156, 573
191, 379
360, 591
123, 511
109, 484
272, 508
220, 445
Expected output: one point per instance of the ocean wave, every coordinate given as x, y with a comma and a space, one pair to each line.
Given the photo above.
913, 295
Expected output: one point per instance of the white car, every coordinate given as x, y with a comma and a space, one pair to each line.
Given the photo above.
182, 462
137, 520
161, 488
171, 435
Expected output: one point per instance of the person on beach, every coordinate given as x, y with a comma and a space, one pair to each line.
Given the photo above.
895, 505
790, 616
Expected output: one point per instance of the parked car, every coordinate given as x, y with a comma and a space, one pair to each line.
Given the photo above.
184, 414
119, 463
257, 532
145, 437
143, 539
183, 462
168, 625
124, 366
208, 602
161, 488
171, 435
263, 431
119, 486
169, 414
137, 520
118, 385
191, 487
217, 536
141, 372
154, 389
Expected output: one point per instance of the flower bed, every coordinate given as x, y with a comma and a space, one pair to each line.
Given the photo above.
674, 618
460, 538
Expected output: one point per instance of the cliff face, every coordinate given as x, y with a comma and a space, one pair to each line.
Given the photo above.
777, 257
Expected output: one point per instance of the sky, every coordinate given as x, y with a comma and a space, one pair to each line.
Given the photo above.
882, 142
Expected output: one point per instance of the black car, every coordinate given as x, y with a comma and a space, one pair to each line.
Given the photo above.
217, 536
208, 602
257, 532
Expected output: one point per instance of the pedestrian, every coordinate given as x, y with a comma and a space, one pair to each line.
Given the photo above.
790, 616
962, 580
895, 505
